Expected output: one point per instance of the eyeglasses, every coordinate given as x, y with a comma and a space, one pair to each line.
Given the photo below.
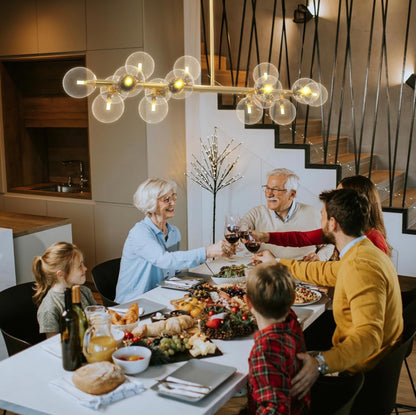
168, 199
273, 190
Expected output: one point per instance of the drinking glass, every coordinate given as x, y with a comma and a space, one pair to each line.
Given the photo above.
251, 244
232, 228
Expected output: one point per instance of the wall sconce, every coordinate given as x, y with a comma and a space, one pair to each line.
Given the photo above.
411, 80
302, 14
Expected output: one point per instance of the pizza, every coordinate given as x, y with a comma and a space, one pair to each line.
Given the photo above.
305, 295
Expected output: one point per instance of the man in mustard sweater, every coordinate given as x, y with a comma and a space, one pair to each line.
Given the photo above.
367, 301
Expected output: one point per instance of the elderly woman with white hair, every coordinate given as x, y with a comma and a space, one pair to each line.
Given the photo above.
151, 251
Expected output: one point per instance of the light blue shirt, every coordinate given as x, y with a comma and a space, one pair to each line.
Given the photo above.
350, 245
148, 259
289, 214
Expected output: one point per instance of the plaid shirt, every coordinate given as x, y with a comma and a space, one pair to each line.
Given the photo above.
272, 365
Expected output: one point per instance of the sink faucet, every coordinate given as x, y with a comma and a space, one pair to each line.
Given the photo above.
82, 179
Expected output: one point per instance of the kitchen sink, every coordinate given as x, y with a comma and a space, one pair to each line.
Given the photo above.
63, 188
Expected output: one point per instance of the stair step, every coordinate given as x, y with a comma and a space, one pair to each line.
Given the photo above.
220, 62
347, 163
409, 204
381, 179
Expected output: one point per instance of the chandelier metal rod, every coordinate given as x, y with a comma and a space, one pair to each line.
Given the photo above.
200, 88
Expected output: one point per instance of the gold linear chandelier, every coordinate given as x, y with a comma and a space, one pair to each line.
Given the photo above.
132, 78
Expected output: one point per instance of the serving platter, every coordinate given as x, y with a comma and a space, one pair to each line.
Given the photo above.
146, 306
204, 374
315, 296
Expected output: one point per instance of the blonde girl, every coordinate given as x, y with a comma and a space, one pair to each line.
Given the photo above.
60, 267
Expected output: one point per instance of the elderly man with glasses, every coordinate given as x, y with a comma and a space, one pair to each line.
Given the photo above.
284, 213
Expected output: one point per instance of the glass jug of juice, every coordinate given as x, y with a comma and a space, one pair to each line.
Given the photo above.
99, 343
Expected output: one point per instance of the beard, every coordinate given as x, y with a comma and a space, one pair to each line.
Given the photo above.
328, 237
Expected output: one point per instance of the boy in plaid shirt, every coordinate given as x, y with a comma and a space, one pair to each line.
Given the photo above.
273, 361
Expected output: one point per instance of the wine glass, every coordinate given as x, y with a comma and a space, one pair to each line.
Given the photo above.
232, 228
251, 244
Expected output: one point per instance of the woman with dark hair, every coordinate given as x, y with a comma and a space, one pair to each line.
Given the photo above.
376, 231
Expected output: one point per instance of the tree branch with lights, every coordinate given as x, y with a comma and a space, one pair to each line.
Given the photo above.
213, 171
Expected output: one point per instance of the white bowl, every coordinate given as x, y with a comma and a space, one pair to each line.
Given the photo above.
228, 281
131, 367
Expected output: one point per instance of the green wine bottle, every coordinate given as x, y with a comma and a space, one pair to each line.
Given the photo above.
71, 347
77, 307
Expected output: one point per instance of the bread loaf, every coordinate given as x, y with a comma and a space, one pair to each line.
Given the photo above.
173, 325
98, 378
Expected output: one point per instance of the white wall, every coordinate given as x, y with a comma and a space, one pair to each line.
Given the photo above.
257, 157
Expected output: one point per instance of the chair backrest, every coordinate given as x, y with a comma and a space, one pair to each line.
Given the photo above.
18, 318
105, 277
335, 395
378, 395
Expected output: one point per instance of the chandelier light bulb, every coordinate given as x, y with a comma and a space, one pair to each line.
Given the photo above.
79, 82
107, 109
179, 83
305, 91
265, 90
282, 111
153, 110
265, 70
189, 65
321, 97
249, 110
143, 62
127, 80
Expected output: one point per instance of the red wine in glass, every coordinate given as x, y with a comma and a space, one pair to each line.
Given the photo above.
252, 246
232, 238
244, 235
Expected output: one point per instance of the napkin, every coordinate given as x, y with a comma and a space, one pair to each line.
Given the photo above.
125, 390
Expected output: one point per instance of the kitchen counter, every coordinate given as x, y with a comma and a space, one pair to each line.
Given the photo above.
23, 224
32, 235
34, 190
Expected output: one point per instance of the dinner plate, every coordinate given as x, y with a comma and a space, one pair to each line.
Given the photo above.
319, 296
209, 375
146, 306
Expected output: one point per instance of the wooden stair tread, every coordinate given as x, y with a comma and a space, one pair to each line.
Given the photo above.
344, 158
379, 176
398, 198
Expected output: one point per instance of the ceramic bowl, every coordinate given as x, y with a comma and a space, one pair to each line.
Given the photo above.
228, 281
125, 327
118, 335
130, 367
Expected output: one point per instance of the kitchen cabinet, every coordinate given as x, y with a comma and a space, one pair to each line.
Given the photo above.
42, 26
32, 235
79, 212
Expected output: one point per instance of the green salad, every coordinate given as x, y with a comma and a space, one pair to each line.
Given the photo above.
232, 271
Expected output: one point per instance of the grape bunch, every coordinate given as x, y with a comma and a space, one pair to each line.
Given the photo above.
234, 291
170, 345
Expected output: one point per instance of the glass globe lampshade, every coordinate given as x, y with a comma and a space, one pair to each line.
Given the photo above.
189, 64
249, 110
160, 92
153, 109
305, 90
282, 111
143, 62
127, 81
179, 83
321, 98
265, 90
107, 109
79, 82
265, 70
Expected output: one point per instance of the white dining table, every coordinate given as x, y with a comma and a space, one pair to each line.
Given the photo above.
25, 377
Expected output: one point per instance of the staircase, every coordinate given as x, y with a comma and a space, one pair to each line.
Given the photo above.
314, 149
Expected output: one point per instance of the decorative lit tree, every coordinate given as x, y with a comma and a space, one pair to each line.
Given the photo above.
214, 172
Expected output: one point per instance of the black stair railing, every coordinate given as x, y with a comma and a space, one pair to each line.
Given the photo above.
363, 103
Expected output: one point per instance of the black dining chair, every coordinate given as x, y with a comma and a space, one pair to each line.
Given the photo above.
105, 277
18, 318
378, 394
335, 395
